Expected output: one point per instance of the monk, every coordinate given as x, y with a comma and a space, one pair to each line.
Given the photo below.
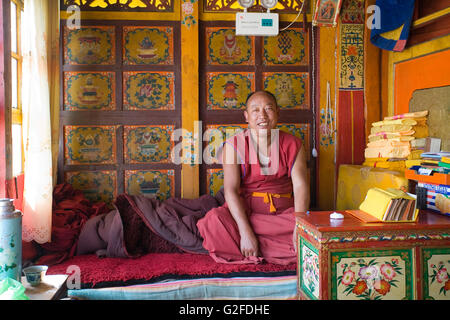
265, 182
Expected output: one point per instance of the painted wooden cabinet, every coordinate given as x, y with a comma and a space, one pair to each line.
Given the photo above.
352, 260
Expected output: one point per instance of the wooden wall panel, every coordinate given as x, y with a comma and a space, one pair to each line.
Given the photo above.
120, 102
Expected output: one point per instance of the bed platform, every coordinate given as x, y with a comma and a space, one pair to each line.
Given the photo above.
175, 276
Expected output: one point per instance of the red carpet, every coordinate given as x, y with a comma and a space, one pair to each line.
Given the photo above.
108, 272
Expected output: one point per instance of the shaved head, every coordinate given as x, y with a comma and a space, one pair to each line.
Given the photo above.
263, 92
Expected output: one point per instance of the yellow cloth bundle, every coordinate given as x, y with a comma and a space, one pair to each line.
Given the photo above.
415, 154
383, 163
405, 122
387, 152
393, 136
418, 114
388, 143
420, 131
400, 128
421, 121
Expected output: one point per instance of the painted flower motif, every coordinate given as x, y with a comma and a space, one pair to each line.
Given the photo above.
348, 277
387, 271
368, 273
447, 285
187, 8
382, 287
359, 288
7, 257
442, 275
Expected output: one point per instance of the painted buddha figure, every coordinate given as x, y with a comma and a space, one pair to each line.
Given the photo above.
146, 49
89, 92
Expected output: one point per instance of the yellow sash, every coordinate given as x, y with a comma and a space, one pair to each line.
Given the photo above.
268, 198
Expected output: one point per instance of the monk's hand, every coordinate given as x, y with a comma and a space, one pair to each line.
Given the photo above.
249, 244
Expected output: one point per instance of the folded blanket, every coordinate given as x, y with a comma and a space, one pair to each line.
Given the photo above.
418, 114
387, 152
406, 122
420, 131
399, 128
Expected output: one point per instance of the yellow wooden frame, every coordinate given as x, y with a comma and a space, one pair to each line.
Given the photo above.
16, 114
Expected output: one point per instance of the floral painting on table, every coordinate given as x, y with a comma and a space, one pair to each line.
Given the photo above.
309, 271
148, 45
436, 266
89, 45
372, 275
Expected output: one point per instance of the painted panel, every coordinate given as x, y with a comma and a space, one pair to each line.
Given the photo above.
309, 280
214, 181
89, 144
290, 48
228, 91
285, 6
121, 6
89, 91
372, 275
148, 144
223, 47
351, 46
89, 45
155, 184
291, 89
436, 277
95, 185
215, 135
148, 45
149, 90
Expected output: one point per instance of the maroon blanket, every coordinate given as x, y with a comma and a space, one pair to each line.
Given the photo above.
139, 225
70, 211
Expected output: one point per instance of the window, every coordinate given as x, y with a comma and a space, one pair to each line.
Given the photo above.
16, 75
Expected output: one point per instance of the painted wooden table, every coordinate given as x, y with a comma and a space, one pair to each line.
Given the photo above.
350, 259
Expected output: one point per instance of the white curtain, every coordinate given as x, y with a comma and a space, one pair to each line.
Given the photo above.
37, 90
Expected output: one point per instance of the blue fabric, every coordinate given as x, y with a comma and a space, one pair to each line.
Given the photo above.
393, 14
211, 288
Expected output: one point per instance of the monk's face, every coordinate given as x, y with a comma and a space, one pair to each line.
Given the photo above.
262, 112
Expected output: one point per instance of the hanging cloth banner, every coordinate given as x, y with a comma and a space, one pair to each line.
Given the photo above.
396, 18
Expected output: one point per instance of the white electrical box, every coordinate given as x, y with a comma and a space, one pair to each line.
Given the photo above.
256, 24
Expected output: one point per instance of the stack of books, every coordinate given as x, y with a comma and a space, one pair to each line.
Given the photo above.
390, 205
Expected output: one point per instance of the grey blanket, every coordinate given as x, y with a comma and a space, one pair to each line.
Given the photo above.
138, 225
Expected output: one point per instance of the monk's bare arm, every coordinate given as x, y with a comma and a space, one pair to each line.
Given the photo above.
300, 182
232, 182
